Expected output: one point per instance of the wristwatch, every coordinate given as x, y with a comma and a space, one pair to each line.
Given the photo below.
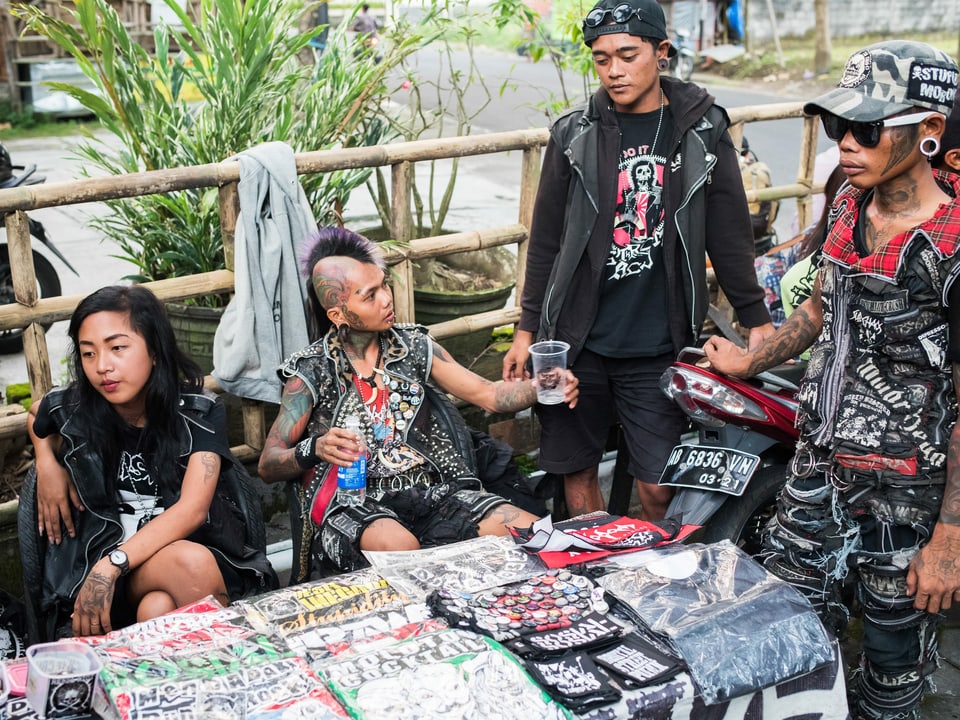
118, 558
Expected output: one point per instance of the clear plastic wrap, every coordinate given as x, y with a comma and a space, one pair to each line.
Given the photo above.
736, 626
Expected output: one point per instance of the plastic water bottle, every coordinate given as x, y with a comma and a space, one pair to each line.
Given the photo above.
352, 480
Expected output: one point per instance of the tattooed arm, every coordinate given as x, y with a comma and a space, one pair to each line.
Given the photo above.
793, 337
278, 461
497, 396
934, 574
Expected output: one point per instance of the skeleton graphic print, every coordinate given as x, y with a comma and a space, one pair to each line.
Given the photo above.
638, 225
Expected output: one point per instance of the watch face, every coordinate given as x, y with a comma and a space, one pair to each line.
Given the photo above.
119, 558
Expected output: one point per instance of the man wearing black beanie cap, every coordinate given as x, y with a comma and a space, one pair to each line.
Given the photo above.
637, 187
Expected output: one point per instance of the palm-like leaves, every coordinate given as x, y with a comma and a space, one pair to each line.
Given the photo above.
241, 58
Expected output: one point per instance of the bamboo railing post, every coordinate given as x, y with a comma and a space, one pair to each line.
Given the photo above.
529, 182
401, 184
808, 160
24, 278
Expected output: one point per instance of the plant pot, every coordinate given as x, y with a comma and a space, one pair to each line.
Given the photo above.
194, 327
451, 286
435, 306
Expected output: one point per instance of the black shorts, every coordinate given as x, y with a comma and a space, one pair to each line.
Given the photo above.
435, 515
611, 390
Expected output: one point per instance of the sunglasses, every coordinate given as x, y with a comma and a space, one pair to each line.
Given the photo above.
867, 134
620, 14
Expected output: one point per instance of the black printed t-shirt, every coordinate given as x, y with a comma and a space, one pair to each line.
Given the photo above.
632, 315
138, 496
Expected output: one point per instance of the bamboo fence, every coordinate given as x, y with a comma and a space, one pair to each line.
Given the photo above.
29, 311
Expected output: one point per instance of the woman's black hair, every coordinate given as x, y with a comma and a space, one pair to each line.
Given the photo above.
814, 239
333, 242
173, 372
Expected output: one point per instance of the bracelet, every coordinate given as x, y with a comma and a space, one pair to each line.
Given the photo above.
303, 452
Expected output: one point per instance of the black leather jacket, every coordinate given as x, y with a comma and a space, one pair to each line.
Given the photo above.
59, 570
573, 220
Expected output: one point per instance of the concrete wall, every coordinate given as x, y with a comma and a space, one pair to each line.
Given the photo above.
854, 17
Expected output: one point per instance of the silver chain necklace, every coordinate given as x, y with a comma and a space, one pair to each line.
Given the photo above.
653, 148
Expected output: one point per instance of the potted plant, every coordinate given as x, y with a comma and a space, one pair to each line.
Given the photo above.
240, 59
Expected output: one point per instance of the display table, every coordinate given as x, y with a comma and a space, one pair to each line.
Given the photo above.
381, 644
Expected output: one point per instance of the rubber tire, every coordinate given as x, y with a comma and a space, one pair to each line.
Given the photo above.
742, 519
683, 67
48, 282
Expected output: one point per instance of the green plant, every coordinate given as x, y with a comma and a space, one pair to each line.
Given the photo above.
558, 39
444, 103
220, 84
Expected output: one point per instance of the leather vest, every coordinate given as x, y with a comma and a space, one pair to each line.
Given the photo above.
879, 381
421, 415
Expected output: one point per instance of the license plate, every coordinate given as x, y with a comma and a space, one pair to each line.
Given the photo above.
709, 468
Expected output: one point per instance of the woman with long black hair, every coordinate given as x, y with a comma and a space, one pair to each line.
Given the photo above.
129, 458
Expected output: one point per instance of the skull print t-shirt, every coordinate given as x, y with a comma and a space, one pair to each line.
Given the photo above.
632, 315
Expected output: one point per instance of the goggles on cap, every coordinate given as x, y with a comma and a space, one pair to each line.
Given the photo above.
867, 134
620, 14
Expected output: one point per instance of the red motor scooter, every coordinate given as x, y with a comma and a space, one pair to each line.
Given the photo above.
729, 474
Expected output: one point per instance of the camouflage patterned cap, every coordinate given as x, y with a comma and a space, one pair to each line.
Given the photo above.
887, 78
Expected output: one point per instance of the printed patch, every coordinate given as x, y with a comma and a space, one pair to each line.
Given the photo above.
638, 662
589, 631
932, 83
857, 69
934, 343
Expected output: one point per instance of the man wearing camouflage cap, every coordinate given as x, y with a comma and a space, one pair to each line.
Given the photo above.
874, 489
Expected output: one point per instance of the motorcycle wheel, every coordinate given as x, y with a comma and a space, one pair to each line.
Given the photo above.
742, 520
683, 67
48, 285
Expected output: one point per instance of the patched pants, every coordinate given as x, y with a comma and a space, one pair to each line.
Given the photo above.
832, 523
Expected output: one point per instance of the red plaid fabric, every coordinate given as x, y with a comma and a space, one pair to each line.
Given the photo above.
943, 229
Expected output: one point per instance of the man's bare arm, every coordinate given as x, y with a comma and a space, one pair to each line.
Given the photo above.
934, 574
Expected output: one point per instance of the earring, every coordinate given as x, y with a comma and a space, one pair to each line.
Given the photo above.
663, 64
929, 154
342, 332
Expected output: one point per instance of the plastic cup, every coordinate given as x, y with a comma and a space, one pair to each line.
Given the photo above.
61, 678
549, 370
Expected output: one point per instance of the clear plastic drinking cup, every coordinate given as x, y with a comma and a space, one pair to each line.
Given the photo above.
550, 370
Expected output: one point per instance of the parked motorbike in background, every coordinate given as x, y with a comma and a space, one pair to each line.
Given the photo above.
729, 475
681, 64
48, 282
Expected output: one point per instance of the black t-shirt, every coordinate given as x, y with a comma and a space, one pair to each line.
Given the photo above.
138, 495
632, 315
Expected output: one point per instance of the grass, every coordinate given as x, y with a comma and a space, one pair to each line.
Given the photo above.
16, 124
763, 61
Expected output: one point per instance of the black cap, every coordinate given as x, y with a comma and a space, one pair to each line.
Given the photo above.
642, 18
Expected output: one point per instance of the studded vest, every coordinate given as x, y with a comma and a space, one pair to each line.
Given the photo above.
879, 381
417, 420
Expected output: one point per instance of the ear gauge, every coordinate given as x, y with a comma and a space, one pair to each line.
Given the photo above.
663, 64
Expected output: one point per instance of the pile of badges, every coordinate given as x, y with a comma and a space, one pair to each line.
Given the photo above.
553, 600
403, 399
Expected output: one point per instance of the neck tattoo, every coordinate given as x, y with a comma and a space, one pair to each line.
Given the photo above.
371, 379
